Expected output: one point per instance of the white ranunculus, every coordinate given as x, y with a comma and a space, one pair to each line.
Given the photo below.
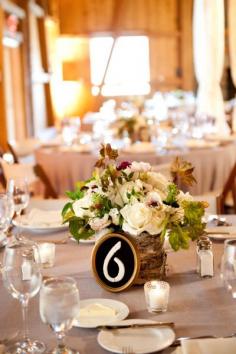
121, 197
98, 224
136, 217
159, 183
82, 205
115, 216
140, 166
153, 197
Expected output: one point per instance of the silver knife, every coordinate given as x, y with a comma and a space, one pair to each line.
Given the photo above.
136, 325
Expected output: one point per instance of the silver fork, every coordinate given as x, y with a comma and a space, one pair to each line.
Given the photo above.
127, 350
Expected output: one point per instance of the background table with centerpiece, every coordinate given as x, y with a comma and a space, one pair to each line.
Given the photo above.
212, 165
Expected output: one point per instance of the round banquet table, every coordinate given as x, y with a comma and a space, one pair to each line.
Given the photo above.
212, 165
197, 306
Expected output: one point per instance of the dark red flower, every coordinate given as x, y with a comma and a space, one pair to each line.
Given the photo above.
123, 165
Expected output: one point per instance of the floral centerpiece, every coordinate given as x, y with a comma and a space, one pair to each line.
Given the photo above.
131, 198
135, 127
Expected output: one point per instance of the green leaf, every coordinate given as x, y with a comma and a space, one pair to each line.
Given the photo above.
78, 194
66, 208
172, 194
79, 229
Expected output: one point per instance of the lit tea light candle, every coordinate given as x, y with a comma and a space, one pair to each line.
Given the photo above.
157, 295
47, 254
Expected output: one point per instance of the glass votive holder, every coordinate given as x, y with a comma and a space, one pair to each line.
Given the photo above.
156, 295
47, 254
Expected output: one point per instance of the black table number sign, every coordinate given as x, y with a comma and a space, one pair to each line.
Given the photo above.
115, 262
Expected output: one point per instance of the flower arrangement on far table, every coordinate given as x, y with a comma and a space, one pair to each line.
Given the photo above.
132, 199
135, 127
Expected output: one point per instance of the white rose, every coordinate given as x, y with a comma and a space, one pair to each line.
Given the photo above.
140, 166
98, 224
115, 216
136, 217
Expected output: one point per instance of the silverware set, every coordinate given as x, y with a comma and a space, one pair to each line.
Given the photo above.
127, 350
136, 325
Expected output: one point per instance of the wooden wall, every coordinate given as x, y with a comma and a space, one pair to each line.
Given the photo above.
168, 23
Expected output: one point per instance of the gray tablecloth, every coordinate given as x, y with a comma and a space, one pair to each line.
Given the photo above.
212, 165
197, 306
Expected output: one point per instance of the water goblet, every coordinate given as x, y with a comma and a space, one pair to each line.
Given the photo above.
22, 278
6, 214
59, 306
228, 266
19, 191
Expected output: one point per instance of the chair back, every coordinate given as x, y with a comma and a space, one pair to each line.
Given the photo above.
36, 177
229, 186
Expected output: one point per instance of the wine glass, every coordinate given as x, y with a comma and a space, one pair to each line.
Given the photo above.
6, 214
18, 189
228, 266
59, 306
22, 278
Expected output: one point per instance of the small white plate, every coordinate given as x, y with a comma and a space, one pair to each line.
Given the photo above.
39, 228
121, 309
139, 340
89, 240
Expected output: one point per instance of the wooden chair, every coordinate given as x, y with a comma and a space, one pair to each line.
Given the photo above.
49, 189
229, 187
13, 152
37, 178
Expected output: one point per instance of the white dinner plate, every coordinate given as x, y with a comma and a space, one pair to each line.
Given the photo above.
139, 340
39, 228
121, 309
221, 230
221, 237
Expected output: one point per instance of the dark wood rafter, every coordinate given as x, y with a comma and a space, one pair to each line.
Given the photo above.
27, 68
3, 122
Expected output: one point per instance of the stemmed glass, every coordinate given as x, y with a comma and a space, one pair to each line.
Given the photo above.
59, 306
18, 189
228, 266
22, 278
6, 214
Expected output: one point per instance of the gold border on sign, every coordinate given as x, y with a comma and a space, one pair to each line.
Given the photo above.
135, 252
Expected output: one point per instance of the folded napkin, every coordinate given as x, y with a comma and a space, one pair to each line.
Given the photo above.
208, 346
38, 217
97, 310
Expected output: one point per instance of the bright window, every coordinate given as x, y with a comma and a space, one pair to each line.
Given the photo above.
128, 71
